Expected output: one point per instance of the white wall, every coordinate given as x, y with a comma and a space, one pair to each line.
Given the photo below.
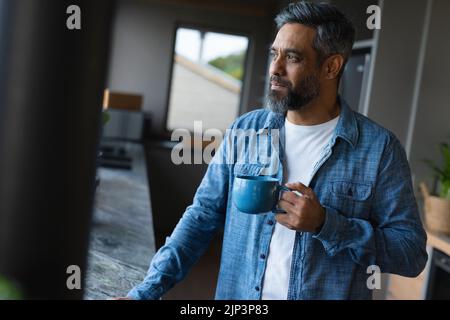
396, 60
432, 121
411, 80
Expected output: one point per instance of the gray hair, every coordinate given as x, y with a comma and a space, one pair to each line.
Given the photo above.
335, 34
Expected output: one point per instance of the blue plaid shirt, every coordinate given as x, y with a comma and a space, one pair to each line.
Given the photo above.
364, 183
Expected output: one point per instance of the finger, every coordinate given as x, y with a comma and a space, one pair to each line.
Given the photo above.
294, 199
286, 205
284, 219
289, 197
298, 186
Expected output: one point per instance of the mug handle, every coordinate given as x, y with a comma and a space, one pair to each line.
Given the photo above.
280, 189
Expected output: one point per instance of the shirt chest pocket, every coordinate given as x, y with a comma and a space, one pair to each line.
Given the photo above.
352, 199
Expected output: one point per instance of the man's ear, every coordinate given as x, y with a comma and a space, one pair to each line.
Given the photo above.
332, 66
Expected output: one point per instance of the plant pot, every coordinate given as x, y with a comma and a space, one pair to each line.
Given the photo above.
437, 212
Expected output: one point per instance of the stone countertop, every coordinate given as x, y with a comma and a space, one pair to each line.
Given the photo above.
122, 239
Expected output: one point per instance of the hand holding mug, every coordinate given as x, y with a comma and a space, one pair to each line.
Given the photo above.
303, 212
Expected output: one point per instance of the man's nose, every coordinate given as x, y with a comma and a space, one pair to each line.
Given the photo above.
277, 66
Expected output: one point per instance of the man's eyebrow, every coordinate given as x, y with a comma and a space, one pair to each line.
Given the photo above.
298, 52
288, 50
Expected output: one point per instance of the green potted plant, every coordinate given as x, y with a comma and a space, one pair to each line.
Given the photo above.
437, 208
443, 172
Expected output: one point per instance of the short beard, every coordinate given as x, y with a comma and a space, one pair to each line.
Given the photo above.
308, 90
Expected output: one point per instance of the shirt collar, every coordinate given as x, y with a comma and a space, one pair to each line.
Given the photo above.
346, 128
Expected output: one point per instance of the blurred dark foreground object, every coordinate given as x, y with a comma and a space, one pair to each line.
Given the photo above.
51, 87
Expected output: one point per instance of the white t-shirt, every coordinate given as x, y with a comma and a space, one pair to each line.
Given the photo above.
304, 145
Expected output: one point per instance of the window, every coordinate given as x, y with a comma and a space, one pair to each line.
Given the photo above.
207, 75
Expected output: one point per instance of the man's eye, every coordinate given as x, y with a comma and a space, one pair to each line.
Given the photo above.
293, 58
273, 54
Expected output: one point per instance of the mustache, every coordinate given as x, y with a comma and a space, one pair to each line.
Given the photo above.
279, 80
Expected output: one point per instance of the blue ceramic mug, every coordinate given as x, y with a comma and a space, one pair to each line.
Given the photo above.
257, 194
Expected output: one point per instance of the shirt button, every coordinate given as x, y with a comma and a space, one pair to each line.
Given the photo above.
262, 256
257, 288
270, 222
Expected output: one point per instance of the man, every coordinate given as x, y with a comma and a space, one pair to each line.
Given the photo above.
352, 205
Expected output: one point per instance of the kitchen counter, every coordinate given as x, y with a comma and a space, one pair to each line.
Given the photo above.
122, 239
